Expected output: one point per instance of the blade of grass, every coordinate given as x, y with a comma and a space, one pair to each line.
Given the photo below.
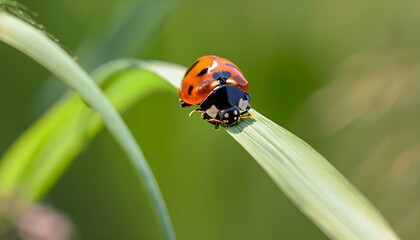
18, 10
45, 150
126, 33
37, 45
310, 181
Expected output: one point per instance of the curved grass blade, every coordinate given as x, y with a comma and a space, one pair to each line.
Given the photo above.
44, 151
18, 10
310, 181
129, 28
35, 44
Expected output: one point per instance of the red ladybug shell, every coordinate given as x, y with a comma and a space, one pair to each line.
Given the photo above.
205, 74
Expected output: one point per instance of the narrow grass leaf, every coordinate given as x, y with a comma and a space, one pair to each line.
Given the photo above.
127, 30
39, 157
310, 181
37, 45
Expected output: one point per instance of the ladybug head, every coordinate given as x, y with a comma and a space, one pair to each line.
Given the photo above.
230, 116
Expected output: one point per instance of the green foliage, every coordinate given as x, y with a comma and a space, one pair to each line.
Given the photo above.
42, 49
313, 184
40, 156
363, 118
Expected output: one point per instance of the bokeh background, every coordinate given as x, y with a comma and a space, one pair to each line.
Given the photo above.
343, 76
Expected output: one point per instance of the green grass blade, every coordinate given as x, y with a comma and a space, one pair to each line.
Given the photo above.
129, 28
37, 45
310, 181
45, 150
18, 10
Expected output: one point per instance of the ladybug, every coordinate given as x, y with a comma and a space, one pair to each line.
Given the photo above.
219, 88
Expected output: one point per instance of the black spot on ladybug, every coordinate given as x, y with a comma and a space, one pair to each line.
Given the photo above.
190, 88
222, 76
204, 71
191, 67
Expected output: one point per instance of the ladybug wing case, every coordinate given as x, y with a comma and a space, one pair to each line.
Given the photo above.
205, 74
198, 82
237, 78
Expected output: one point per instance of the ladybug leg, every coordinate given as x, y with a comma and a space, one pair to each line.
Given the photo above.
245, 114
197, 110
216, 122
203, 115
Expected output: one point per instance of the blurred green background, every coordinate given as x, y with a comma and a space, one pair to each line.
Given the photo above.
343, 76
